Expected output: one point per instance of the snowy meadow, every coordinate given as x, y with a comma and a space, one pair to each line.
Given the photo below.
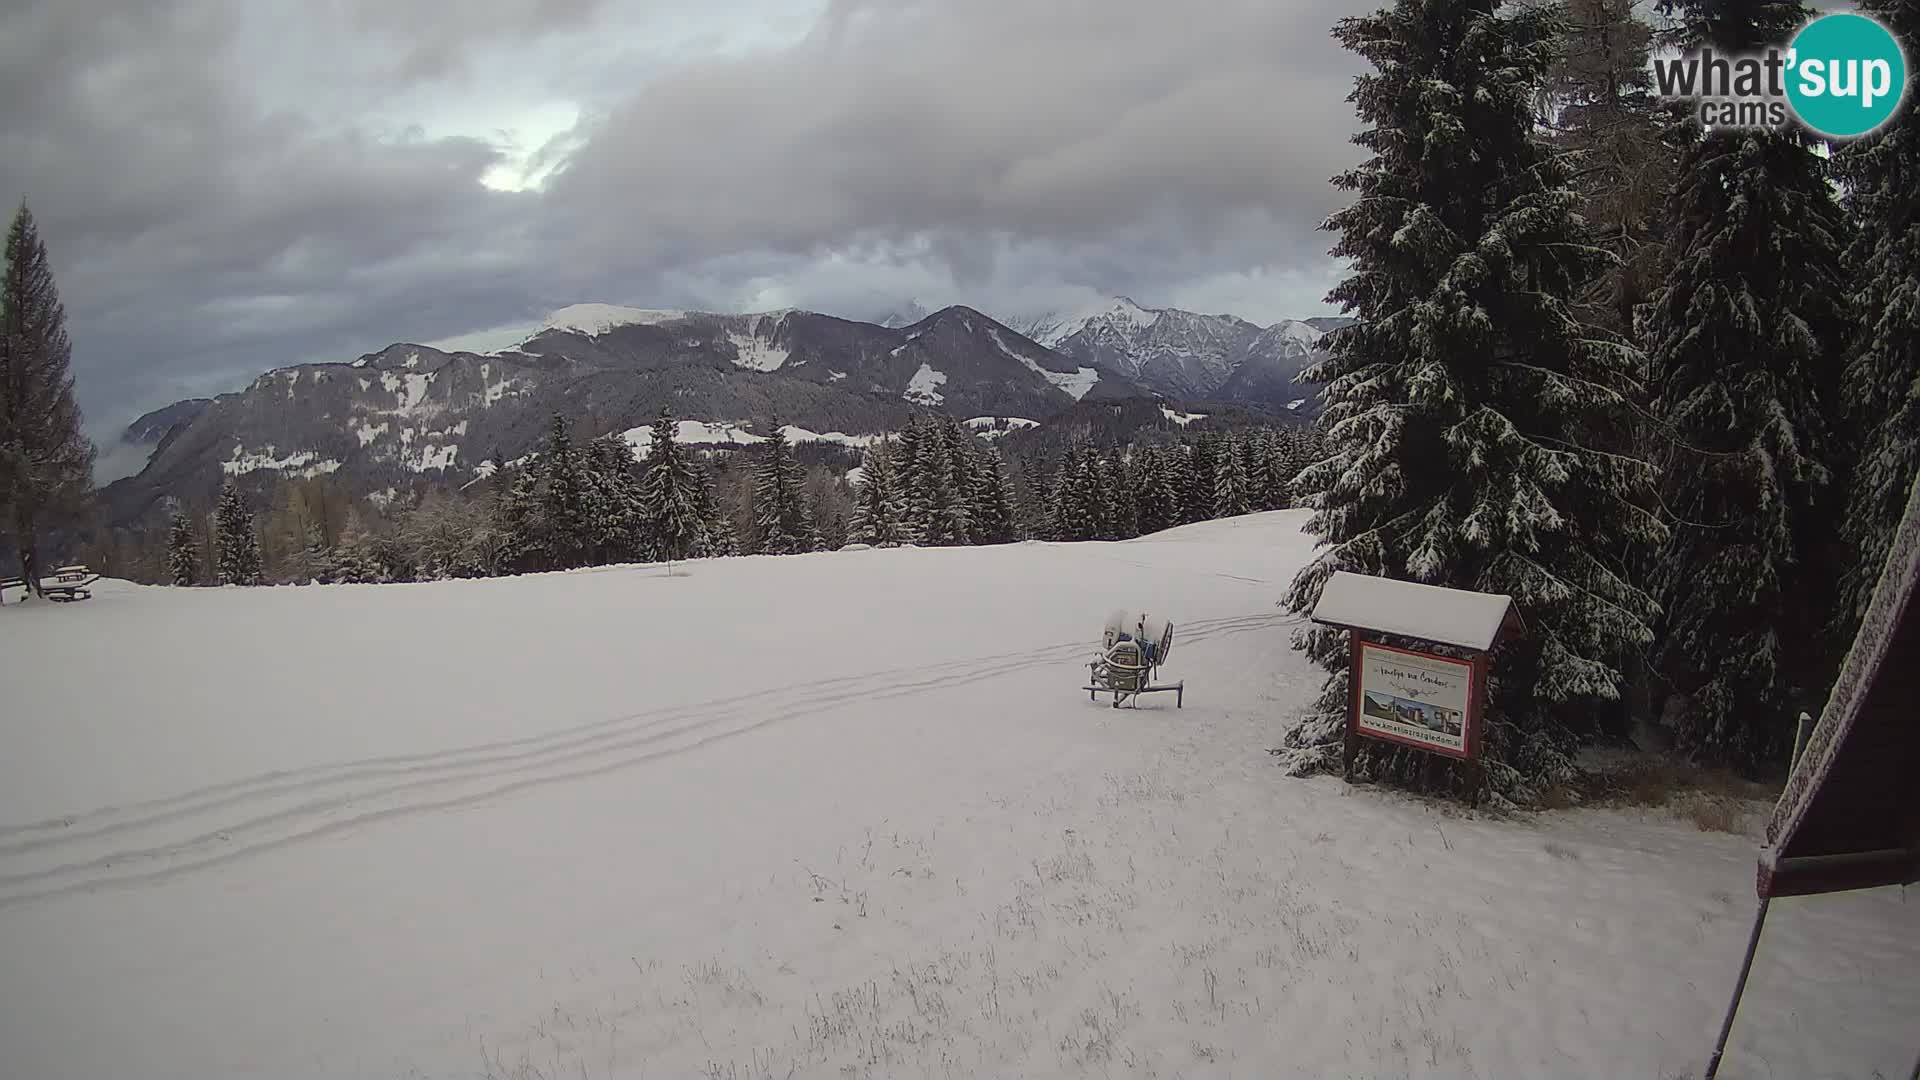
839, 814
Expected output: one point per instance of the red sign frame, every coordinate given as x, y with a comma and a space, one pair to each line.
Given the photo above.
1476, 699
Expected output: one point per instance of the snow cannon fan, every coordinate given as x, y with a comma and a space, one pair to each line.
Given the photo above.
1132, 648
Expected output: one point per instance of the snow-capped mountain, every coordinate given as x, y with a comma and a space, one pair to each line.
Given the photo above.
905, 315
1188, 355
412, 416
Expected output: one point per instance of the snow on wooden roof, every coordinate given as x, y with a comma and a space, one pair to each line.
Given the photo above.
1468, 620
1848, 818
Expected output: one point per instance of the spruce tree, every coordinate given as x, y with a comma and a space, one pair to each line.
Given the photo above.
1230, 482
46, 461
1459, 404
1250, 467
718, 536
670, 498
1881, 394
931, 497
1746, 340
517, 518
877, 505
356, 557
915, 500
956, 511
565, 500
1177, 462
308, 559
993, 520
1196, 500
619, 525
183, 551
237, 544
1076, 496
1296, 452
781, 521
1626, 144
1119, 516
1157, 501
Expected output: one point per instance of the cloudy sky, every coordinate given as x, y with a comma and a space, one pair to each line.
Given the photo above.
228, 186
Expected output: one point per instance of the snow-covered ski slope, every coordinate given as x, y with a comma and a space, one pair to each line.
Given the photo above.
826, 816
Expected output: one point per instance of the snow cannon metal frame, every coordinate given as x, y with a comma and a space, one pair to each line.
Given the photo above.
1131, 651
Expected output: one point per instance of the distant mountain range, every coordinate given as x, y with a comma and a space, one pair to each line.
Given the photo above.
412, 414
1189, 356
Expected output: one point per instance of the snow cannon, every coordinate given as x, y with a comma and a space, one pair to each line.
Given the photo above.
1133, 645
1154, 634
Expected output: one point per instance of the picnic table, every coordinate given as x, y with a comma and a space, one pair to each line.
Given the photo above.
68, 583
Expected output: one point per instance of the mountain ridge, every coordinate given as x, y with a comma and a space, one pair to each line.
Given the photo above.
410, 414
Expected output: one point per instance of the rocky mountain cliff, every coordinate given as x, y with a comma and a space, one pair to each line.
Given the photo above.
1186, 355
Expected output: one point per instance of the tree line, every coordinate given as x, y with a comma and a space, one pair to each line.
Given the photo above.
1659, 384
933, 483
1122, 492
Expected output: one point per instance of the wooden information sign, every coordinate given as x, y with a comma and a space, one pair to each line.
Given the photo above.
1422, 699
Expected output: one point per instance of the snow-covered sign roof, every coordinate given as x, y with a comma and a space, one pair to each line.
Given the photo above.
1848, 818
1467, 620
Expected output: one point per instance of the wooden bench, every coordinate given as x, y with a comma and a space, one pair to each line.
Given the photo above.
68, 583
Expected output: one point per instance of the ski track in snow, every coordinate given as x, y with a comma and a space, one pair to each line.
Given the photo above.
506, 767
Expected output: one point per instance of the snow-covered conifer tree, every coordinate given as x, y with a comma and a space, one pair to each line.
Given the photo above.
718, 536
1177, 462
931, 495
566, 512
1119, 517
915, 501
780, 510
238, 545
1746, 343
1196, 497
670, 498
1230, 483
46, 459
1076, 496
1881, 396
1158, 503
878, 510
1457, 406
517, 518
956, 446
183, 551
617, 515
992, 503
1605, 110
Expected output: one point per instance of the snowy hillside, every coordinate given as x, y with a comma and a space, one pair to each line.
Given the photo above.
838, 815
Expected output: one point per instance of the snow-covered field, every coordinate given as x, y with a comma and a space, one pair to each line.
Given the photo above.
824, 816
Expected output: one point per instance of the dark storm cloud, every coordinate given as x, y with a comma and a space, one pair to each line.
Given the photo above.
1064, 120
219, 202
434, 38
